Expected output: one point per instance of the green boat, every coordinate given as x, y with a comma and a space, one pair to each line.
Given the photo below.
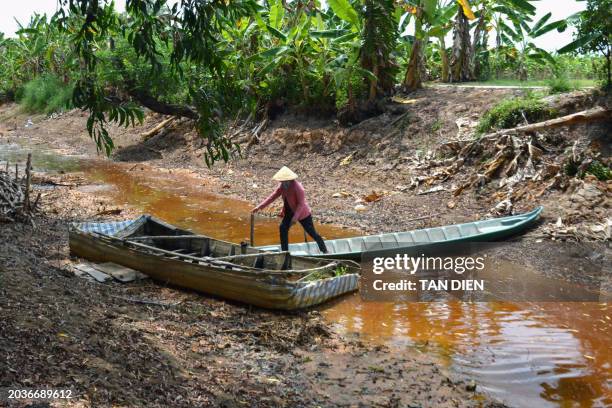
477, 231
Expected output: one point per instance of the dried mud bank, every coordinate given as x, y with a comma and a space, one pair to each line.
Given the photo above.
143, 344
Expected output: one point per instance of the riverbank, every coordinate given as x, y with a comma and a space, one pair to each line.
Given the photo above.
203, 345
181, 348
145, 344
374, 177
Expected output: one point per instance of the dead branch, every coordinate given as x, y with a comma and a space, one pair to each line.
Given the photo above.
15, 203
163, 124
147, 302
589, 115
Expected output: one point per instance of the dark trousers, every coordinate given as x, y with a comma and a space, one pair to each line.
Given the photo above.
308, 227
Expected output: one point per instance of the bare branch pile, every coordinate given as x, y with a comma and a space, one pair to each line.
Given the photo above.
15, 199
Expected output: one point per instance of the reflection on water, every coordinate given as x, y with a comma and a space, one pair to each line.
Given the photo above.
183, 201
43, 160
531, 354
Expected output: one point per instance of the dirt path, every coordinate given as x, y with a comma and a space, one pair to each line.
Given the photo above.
488, 86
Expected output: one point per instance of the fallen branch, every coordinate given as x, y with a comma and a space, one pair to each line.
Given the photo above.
163, 124
147, 302
255, 133
423, 217
590, 115
400, 117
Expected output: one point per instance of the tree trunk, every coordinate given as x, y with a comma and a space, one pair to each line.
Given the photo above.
378, 36
444, 58
476, 46
498, 42
374, 84
609, 68
413, 79
460, 57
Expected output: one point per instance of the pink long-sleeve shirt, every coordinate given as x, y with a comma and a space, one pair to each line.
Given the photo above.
294, 196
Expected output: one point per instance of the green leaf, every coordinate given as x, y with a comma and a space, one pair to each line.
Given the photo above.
346, 37
27, 31
273, 52
546, 55
270, 66
437, 31
558, 25
524, 5
541, 22
329, 33
276, 33
429, 6
579, 42
258, 20
277, 13
404, 20
344, 10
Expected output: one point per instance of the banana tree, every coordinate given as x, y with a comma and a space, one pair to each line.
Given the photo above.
432, 20
376, 24
462, 46
290, 45
525, 50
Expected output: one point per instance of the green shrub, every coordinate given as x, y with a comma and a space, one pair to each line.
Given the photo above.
559, 84
46, 94
509, 113
600, 170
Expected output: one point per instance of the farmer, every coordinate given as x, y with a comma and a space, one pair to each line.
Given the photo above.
295, 207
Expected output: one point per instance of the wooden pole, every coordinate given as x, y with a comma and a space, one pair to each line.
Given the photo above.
26, 200
252, 229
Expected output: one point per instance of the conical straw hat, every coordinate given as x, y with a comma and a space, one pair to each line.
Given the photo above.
284, 174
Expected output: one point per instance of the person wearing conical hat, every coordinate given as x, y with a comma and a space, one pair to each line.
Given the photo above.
295, 207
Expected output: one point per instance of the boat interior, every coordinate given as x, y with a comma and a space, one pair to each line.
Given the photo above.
409, 238
166, 240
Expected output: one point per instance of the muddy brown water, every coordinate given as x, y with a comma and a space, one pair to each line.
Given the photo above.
527, 354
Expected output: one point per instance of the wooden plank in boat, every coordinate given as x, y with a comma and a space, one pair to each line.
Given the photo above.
93, 272
119, 272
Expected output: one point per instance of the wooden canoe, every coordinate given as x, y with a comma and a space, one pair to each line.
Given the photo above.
477, 231
171, 255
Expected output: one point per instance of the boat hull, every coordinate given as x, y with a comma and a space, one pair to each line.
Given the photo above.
267, 291
386, 244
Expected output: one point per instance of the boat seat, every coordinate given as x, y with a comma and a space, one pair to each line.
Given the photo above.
436, 234
420, 236
205, 251
259, 262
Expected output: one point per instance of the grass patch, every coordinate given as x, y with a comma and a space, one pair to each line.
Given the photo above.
437, 125
600, 170
560, 84
46, 94
510, 113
